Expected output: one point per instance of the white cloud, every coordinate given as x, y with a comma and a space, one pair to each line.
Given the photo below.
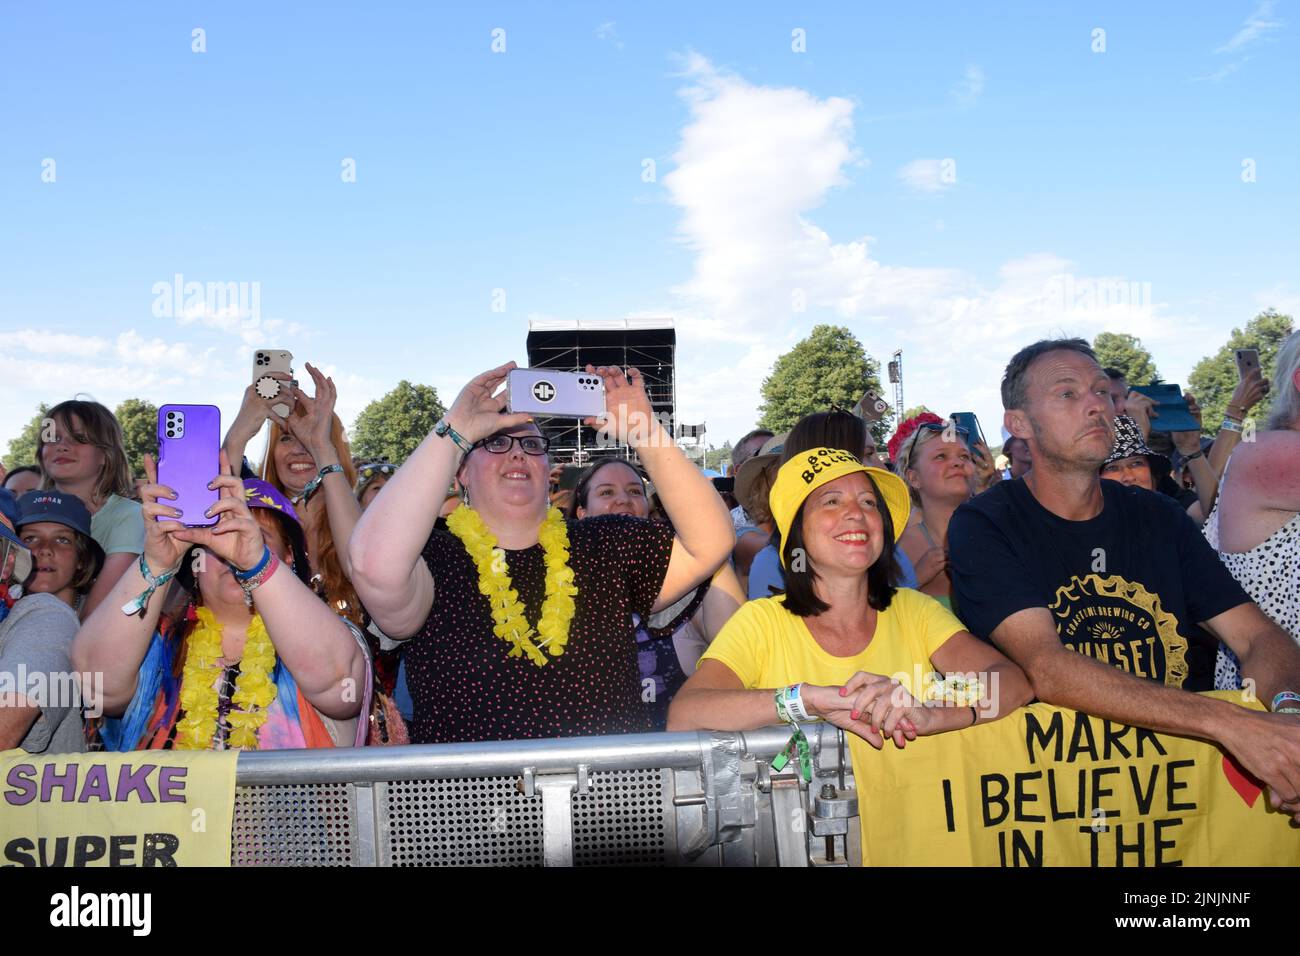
1258, 26
753, 163
967, 90
929, 175
42, 342
608, 32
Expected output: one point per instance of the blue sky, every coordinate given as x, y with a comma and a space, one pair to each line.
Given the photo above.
925, 175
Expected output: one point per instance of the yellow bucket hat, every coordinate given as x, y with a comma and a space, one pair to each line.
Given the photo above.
807, 471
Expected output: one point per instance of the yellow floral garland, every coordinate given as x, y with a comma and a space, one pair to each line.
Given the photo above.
493, 581
254, 689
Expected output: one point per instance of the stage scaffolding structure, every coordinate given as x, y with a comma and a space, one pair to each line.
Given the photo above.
571, 345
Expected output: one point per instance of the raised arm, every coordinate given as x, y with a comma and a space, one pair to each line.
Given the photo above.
385, 548
112, 643
704, 532
314, 429
254, 411
313, 642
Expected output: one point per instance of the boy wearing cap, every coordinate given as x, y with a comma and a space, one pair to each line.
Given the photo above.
39, 710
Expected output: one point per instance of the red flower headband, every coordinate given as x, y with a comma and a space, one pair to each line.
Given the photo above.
906, 429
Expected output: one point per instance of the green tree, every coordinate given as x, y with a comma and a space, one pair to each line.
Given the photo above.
1215, 377
1125, 352
139, 421
714, 457
829, 366
22, 450
917, 410
392, 427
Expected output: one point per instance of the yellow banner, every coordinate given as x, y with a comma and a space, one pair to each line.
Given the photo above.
146, 808
1052, 787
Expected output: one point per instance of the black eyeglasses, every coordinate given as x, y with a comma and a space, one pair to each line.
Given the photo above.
500, 444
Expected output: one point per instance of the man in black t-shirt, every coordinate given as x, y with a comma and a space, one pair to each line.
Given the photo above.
1103, 593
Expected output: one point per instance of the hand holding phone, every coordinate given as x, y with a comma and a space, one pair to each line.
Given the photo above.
543, 391
269, 386
628, 415
189, 457
1170, 408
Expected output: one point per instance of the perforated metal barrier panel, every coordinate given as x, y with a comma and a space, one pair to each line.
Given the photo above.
309, 824
638, 800
626, 819
459, 822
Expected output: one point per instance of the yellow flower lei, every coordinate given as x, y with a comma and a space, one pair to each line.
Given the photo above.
493, 581
254, 690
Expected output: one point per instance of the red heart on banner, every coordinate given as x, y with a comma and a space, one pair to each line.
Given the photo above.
1248, 786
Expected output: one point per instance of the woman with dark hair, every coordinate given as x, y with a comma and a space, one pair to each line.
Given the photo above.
670, 641
866, 650
82, 454
833, 429
248, 658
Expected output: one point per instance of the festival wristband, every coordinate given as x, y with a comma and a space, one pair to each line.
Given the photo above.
794, 703
1231, 426
320, 476
798, 743
140, 603
244, 575
253, 583
1284, 697
1192, 457
444, 430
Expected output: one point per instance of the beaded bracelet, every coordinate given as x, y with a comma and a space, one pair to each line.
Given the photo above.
251, 584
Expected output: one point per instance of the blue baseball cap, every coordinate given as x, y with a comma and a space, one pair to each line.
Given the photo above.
60, 508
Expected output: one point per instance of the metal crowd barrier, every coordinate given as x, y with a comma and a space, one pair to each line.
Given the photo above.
685, 799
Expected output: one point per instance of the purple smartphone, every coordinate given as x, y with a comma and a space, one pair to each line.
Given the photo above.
189, 456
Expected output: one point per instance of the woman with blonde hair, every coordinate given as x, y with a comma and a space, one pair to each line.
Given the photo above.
82, 454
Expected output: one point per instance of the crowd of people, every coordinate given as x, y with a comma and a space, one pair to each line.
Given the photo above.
480, 591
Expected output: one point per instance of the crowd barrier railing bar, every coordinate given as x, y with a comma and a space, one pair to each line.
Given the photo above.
682, 799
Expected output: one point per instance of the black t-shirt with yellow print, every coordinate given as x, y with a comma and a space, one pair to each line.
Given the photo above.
1127, 587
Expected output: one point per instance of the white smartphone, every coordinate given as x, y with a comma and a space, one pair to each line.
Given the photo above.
272, 360
542, 391
1247, 362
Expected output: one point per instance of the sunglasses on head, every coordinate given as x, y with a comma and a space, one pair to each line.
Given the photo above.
368, 471
500, 444
943, 426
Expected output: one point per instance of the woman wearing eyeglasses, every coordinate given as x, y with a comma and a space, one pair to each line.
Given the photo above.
932, 456
520, 622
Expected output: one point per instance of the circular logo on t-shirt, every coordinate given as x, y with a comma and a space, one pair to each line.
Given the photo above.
1121, 623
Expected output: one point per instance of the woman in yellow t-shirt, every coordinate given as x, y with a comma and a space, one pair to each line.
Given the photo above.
842, 643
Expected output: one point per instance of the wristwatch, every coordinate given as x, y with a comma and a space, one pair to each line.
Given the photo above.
444, 430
